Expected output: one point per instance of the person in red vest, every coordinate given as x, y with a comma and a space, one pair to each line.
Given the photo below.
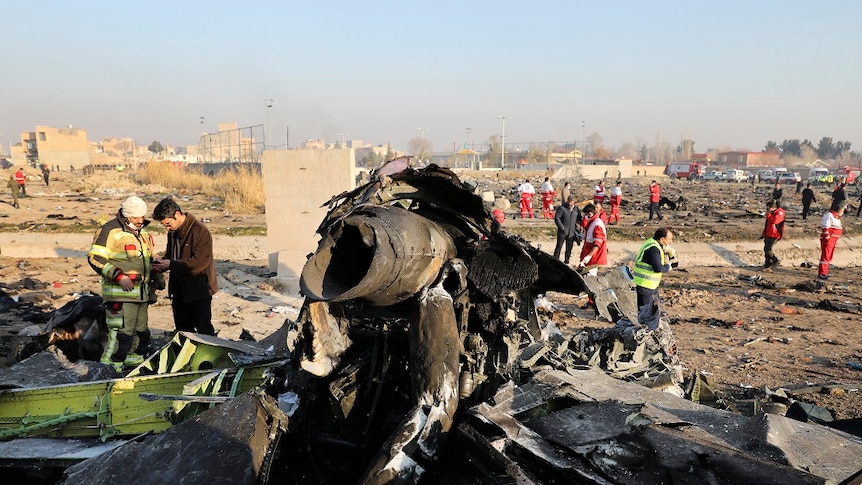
527, 192
829, 235
19, 177
654, 196
616, 200
772, 232
594, 253
548, 194
599, 194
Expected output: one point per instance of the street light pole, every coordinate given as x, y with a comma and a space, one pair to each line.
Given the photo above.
584, 148
466, 144
268, 103
422, 147
503, 118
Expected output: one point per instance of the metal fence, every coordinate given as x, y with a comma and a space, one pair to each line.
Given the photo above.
240, 145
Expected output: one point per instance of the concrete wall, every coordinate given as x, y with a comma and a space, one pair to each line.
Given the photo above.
62, 146
297, 183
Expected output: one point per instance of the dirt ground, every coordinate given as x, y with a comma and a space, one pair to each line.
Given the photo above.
747, 329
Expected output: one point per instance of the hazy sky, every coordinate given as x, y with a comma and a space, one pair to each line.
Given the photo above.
730, 74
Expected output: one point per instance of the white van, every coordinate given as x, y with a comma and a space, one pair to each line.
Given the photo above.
818, 174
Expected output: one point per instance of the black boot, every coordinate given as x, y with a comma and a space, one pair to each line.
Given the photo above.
124, 344
143, 343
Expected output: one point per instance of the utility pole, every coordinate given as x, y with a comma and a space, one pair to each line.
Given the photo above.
268, 103
584, 148
503, 118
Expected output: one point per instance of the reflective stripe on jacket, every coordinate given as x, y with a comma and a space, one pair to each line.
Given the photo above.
644, 274
117, 251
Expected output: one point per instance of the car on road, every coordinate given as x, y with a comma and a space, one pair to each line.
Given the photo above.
734, 175
789, 178
713, 175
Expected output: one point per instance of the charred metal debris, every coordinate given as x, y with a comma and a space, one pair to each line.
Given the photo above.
423, 353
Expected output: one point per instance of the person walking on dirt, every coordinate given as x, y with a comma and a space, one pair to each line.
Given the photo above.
548, 193
594, 253
654, 197
616, 200
122, 253
599, 194
13, 187
654, 258
527, 191
839, 193
807, 199
567, 191
772, 232
22, 181
830, 233
46, 174
777, 192
567, 218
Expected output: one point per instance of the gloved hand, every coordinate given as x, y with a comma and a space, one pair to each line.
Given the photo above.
669, 252
674, 265
585, 261
126, 283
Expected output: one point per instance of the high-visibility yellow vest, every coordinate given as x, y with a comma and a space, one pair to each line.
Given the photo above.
644, 276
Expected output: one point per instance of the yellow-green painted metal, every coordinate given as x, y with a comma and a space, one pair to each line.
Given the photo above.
189, 365
113, 407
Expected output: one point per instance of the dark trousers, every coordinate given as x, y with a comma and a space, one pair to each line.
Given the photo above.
569, 243
771, 260
653, 209
806, 209
649, 307
193, 316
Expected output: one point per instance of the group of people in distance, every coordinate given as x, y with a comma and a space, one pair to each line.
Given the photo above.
831, 229
123, 253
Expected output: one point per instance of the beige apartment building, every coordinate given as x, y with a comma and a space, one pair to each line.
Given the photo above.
64, 147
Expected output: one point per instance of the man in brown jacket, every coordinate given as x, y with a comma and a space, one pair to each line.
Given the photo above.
189, 258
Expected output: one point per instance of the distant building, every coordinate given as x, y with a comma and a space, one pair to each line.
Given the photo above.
52, 146
117, 151
748, 159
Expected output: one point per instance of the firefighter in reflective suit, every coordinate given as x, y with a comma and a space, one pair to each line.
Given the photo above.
122, 253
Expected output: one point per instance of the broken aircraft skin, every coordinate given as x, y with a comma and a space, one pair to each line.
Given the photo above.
420, 356
417, 303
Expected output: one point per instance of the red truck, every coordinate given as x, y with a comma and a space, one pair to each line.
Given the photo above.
684, 170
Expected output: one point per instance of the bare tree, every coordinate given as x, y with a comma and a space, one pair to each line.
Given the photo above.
685, 149
420, 148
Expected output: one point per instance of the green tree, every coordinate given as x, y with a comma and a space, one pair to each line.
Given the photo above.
825, 148
156, 147
372, 160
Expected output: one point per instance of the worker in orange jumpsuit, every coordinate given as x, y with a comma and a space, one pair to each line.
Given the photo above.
616, 200
654, 197
22, 181
548, 194
830, 233
594, 253
599, 194
527, 192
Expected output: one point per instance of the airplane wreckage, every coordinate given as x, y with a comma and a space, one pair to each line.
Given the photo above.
421, 354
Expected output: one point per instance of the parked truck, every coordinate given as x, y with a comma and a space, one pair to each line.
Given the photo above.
684, 170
